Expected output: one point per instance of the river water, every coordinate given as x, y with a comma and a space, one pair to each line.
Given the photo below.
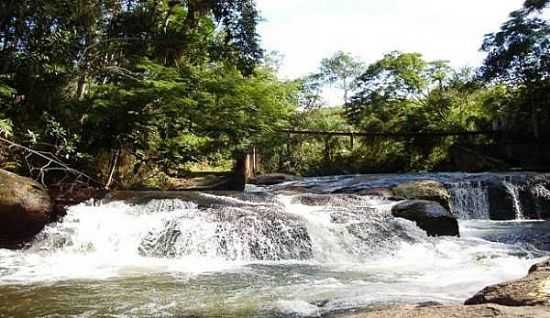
264, 253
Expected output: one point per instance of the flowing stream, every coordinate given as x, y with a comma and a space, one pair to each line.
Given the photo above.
258, 254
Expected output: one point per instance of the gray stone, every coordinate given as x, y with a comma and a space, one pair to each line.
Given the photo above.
429, 216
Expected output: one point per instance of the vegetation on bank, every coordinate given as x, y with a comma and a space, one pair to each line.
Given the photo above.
144, 90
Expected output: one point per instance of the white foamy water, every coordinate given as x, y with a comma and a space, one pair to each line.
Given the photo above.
299, 255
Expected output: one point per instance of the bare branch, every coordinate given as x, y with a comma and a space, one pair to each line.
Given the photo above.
52, 164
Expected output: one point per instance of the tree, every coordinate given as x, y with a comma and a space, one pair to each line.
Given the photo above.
163, 82
390, 87
341, 69
532, 5
519, 56
310, 89
404, 93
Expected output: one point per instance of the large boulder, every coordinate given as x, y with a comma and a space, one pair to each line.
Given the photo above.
429, 216
25, 208
424, 190
533, 290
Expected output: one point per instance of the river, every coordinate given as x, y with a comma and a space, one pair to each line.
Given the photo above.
262, 253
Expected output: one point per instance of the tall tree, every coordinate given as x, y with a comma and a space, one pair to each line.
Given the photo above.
341, 69
389, 84
519, 56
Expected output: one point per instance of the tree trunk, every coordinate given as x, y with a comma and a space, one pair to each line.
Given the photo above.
112, 168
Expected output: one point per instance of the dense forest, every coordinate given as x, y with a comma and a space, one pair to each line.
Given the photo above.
143, 90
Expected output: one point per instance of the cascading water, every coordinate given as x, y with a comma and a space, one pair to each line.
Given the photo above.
469, 200
252, 254
514, 194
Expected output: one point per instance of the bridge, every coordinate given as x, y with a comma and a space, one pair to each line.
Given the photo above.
395, 135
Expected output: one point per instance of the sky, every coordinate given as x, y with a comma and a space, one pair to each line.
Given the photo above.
305, 31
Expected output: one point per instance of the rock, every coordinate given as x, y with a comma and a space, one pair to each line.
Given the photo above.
243, 233
453, 311
64, 195
533, 290
272, 179
429, 216
501, 201
424, 190
384, 193
535, 197
335, 200
25, 208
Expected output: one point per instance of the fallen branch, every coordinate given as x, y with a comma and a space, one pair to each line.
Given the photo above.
53, 164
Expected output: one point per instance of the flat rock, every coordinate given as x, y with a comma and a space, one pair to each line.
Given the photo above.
454, 311
533, 290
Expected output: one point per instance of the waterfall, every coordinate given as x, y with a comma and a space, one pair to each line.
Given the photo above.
469, 200
334, 228
259, 254
346, 228
172, 228
513, 191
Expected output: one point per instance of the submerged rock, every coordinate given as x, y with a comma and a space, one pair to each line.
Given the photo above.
429, 216
235, 233
334, 200
25, 208
533, 290
424, 190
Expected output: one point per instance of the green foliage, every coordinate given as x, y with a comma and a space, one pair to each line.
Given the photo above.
160, 83
520, 52
403, 93
309, 92
392, 90
341, 69
166, 85
519, 56
6, 128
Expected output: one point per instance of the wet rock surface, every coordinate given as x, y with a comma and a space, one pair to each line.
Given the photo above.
244, 231
533, 290
429, 190
479, 311
25, 208
334, 200
535, 196
429, 216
